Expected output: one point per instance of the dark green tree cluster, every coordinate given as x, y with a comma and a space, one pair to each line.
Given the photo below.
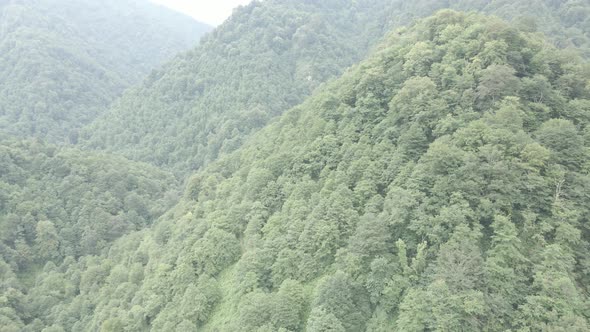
64, 62
565, 22
440, 185
57, 205
60, 202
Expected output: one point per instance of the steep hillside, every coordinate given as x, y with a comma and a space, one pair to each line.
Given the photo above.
440, 185
566, 22
264, 60
63, 62
90, 199
267, 58
58, 204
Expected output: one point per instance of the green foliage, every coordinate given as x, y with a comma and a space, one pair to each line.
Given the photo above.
198, 301
430, 188
264, 60
425, 203
64, 202
270, 55
322, 321
64, 62
215, 251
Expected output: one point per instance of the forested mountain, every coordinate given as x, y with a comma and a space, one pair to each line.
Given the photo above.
566, 23
58, 203
262, 61
440, 185
85, 200
62, 62
268, 57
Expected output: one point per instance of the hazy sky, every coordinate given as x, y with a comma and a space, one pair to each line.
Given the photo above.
212, 12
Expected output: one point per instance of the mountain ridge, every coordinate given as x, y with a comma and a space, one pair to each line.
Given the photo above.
192, 106
439, 184
65, 61
402, 196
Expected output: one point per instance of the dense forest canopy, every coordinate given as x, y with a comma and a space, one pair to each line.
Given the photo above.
440, 183
61, 203
89, 199
434, 186
64, 62
566, 23
267, 58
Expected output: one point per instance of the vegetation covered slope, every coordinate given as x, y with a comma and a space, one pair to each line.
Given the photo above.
261, 62
63, 62
57, 204
268, 57
565, 22
85, 199
441, 185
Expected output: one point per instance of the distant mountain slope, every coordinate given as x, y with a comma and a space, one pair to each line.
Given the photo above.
440, 185
62, 62
565, 22
267, 58
89, 198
